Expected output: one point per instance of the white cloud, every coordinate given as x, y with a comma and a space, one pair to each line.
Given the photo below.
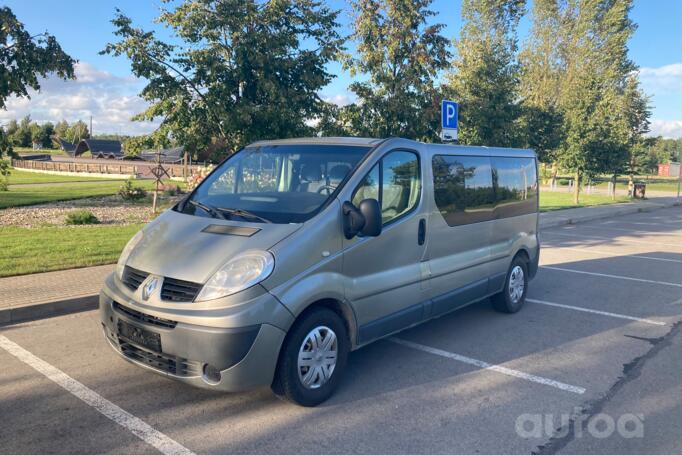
667, 78
340, 99
109, 99
666, 128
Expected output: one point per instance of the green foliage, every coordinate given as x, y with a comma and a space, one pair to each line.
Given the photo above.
128, 192
539, 83
81, 217
25, 57
238, 71
4, 174
485, 76
402, 57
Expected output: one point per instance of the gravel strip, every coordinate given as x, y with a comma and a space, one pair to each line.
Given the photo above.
108, 210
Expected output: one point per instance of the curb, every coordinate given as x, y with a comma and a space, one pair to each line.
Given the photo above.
621, 211
45, 310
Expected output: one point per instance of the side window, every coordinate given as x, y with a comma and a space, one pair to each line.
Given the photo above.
515, 183
463, 188
368, 188
394, 182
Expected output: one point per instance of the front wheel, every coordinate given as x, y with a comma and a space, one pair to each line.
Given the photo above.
313, 358
513, 296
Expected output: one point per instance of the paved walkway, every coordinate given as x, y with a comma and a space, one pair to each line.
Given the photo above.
23, 295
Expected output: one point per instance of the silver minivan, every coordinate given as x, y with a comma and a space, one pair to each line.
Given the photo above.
292, 253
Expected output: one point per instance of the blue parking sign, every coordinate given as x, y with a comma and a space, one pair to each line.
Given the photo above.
449, 113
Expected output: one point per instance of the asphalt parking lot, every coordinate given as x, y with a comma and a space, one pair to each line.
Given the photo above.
596, 346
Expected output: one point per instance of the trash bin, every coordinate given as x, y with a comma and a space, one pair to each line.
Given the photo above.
639, 191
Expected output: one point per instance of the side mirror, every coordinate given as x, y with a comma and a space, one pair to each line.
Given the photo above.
371, 210
365, 220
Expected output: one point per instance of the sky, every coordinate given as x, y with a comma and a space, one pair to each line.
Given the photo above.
106, 89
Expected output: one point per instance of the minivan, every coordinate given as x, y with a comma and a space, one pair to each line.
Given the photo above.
292, 253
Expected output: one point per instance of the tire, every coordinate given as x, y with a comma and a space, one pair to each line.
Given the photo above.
317, 328
512, 298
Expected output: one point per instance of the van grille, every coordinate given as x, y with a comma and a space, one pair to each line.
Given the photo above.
179, 291
145, 318
162, 362
133, 278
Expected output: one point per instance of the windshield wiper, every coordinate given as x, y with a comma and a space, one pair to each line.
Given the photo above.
243, 213
208, 209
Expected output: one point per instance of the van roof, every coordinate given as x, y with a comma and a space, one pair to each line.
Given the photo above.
351, 141
446, 149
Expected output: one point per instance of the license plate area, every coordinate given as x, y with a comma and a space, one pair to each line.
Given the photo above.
139, 336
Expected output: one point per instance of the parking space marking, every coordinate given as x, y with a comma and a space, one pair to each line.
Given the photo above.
612, 239
603, 313
488, 366
620, 277
138, 427
639, 232
607, 253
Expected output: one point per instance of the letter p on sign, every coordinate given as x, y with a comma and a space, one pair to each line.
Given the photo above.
449, 115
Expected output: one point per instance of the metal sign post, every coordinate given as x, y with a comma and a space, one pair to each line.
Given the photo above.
449, 117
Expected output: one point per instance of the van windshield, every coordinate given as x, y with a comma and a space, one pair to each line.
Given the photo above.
274, 184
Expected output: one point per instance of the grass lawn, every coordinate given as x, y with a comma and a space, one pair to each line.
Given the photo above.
38, 194
33, 250
18, 176
557, 201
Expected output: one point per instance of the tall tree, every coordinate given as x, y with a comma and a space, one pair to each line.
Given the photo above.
485, 78
23, 59
238, 71
77, 131
539, 83
401, 56
594, 38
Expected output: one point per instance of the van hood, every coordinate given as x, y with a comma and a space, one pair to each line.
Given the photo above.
192, 248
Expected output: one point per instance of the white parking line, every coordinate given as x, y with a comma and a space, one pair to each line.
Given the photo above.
603, 313
138, 427
620, 277
653, 233
679, 245
607, 253
489, 366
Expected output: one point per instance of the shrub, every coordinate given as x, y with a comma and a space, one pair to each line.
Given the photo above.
171, 190
562, 182
81, 217
4, 175
131, 193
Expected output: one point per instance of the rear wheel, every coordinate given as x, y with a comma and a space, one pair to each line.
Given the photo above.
313, 358
513, 296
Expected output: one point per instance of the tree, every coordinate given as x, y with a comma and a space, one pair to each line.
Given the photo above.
636, 112
402, 56
540, 76
25, 57
42, 134
239, 70
77, 132
594, 35
22, 136
485, 76
61, 128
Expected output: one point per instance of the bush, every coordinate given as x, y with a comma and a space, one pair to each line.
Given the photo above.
171, 190
131, 193
562, 182
4, 175
81, 217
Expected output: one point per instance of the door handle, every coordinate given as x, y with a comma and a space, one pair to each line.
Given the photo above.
421, 234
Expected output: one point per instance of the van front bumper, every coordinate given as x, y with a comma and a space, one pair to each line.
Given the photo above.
223, 358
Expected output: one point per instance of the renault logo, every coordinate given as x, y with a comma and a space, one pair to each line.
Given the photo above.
149, 287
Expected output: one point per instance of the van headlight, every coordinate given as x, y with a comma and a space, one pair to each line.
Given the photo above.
123, 258
239, 273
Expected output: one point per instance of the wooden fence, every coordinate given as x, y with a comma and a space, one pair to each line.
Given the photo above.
137, 169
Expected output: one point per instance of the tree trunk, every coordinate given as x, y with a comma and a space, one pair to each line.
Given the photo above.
576, 188
613, 187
